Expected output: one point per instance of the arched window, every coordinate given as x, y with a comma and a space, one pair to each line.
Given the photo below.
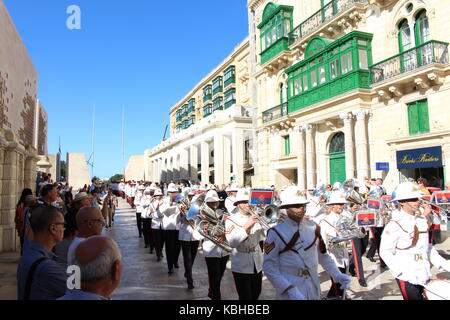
421, 28
404, 36
337, 143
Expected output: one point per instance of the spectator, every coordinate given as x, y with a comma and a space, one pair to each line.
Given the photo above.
423, 184
30, 202
39, 276
20, 218
96, 202
70, 233
100, 264
90, 223
39, 179
49, 194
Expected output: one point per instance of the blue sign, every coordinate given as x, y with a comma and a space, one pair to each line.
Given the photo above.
419, 158
382, 166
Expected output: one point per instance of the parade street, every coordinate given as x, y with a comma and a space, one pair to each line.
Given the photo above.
145, 279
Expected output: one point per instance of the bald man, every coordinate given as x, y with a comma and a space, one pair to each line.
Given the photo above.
90, 222
100, 265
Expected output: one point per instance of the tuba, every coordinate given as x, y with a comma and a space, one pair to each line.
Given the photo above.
348, 188
212, 227
346, 230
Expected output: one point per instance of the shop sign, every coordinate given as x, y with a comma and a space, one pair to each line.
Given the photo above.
419, 158
382, 166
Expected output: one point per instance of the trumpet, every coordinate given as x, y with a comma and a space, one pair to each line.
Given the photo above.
265, 217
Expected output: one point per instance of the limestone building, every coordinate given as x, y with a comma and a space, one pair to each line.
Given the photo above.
135, 169
351, 88
23, 126
77, 171
211, 129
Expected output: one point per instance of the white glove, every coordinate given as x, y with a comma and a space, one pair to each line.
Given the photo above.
294, 294
344, 280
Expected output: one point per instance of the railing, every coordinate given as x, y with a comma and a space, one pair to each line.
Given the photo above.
275, 113
207, 97
427, 53
229, 81
320, 17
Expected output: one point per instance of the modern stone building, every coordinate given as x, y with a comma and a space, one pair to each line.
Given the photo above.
211, 128
351, 88
23, 126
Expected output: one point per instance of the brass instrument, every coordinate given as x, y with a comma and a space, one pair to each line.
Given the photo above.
346, 230
263, 220
212, 227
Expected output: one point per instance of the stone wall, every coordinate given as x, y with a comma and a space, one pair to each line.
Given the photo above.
135, 168
77, 170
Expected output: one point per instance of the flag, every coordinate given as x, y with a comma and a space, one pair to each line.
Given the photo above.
386, 199
261, 196
432, 189
442, 197
427, 197
373, 204
173, 196
366, 219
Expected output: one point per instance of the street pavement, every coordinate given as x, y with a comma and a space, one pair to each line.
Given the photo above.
144, 278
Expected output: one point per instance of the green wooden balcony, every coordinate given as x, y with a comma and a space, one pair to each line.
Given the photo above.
412, 59
280, 45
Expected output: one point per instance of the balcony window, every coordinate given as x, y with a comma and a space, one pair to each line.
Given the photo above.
229, 76
207, 110
184, 124
217, 104
207, 93
191, 121
191, 105
418, 120
230, 97
217, 85
287, 145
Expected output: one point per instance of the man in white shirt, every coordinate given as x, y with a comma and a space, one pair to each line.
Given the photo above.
171, 227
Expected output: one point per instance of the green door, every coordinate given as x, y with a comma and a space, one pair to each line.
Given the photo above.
337, 159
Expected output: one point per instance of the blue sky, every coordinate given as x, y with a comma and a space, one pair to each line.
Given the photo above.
143, 54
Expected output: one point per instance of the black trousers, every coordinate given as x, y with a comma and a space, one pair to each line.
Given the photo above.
248, 286
375, 245
173, 247
359, 246
336, 290
216, 269
158, 241
147, 232
139, 223
189, 249
410, 291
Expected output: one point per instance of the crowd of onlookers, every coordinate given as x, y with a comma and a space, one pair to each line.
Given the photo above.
59, 229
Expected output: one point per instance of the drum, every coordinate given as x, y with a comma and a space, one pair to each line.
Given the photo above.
438, 289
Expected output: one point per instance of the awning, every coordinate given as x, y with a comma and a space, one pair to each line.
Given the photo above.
419, 158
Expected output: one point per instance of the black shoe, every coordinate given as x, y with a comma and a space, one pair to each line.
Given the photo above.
352, 272
151, 252
362, 283
190, 286
185, 275
176, 265
146, 246
140, 236
371, 259
170, 272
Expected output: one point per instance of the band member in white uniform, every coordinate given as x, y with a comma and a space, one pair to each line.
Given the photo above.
293, 250
216, 257
338, 252
170, 227
146, 218
157, 216
229, 201
137, 204
405, 246
244, 233
189, 242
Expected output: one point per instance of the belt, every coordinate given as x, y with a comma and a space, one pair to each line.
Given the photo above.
299, 272
418, 257
415, 256
248, 250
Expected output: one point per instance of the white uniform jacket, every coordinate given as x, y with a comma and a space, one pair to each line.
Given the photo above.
246, 254
156, 215
170, 212
186, 230
296, 267
339, 252
137, 201
229, 204
406, 261
145, 207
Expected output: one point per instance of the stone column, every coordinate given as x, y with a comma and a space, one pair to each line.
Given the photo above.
238, 155
362, 145
204, 162
349, 145
218, 158
30, 171
193, 149
227, 159
184, 165
311, 173
275, 154
301, 159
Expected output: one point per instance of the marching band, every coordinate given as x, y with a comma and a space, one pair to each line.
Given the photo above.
286, 236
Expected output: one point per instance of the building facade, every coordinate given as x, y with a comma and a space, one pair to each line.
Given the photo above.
23, 127
212, 129
351, 89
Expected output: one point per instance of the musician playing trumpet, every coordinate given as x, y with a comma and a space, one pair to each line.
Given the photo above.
244, 232
405, 246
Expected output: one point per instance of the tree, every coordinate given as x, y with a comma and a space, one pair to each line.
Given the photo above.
63, 171
116, 177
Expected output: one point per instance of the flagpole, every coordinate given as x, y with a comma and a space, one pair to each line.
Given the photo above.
123, 141
93, 142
